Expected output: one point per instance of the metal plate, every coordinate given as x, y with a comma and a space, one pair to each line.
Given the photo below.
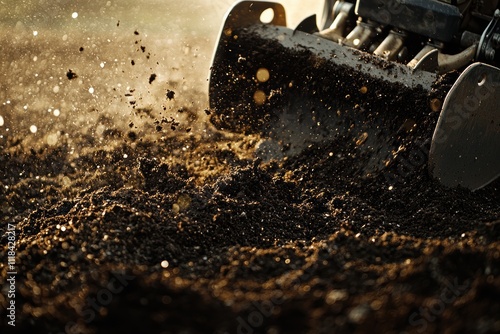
465, 149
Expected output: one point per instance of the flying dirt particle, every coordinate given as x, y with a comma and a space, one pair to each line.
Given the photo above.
118, 23
188, 130
159, 128
170, 94
152, 78
132, 62
81, 49
131, 125
336, 295
207, 112
362, 138
363, 90
143, 48
408, 125
358, 314
52, 139
259, 97
262, 74
136, 32
132, 135
71, 75
435, 105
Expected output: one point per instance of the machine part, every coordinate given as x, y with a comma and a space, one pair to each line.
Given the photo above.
391, 46
489, 45
336, 30
360, 36
295, 88
426, 59
303, 103
328, 14
465, 148
437, 20
432, 60
448, 63
308, 25
314, 91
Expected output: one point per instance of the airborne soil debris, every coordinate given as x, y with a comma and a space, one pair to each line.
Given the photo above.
152, 78
170, 94
71, 75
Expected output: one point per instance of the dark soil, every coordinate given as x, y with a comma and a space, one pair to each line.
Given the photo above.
124, 227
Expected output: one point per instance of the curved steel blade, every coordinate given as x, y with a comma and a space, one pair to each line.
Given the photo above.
465, 148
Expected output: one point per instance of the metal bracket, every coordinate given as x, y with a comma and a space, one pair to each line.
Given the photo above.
489, 45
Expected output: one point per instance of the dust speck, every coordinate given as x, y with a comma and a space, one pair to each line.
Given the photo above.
52, 139
152, 78
170, 94
71, 75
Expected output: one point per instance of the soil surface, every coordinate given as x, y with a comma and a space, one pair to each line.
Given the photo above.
133, 214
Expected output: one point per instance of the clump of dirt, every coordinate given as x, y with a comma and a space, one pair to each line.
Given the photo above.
173, 231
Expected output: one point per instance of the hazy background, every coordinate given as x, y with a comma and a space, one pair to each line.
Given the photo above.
113, 47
